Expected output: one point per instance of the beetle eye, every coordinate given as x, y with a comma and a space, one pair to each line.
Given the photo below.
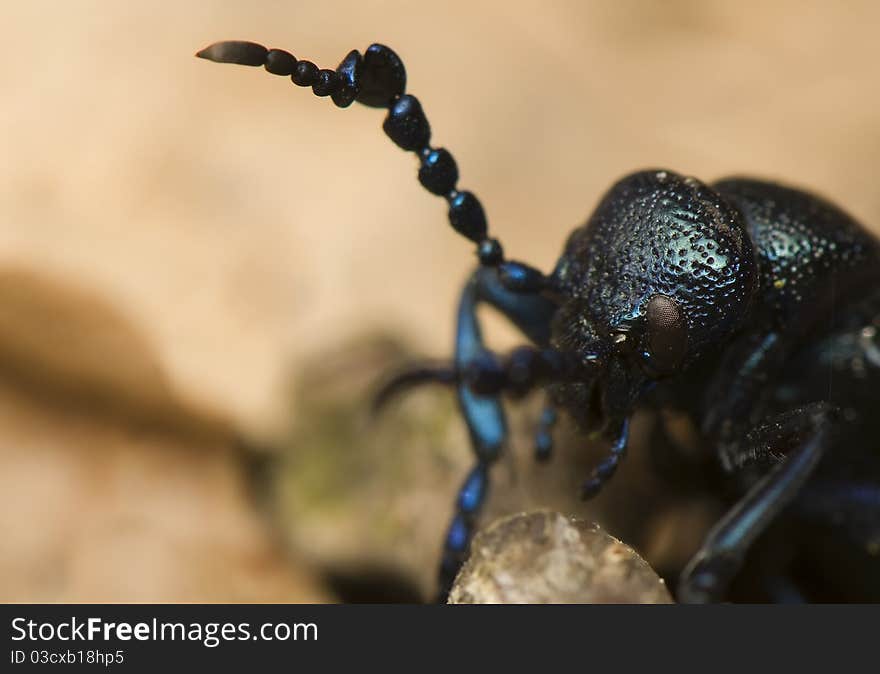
666, 335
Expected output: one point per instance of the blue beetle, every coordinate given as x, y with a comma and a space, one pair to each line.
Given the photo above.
751, 307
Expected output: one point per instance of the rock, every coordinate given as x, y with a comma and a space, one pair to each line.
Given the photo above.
543, 557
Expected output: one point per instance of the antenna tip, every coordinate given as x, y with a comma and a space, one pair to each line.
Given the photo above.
235, 51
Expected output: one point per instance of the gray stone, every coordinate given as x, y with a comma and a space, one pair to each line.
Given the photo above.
543, 557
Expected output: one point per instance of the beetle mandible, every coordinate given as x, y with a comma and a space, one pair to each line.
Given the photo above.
734, 302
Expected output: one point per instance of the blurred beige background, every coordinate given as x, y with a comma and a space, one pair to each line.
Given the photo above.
178, 237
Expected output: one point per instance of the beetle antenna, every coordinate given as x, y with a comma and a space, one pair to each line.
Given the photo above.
378, 79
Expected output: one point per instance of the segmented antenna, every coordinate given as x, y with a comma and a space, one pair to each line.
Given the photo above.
378, 80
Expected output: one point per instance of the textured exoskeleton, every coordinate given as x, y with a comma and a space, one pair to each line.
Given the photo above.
751, 307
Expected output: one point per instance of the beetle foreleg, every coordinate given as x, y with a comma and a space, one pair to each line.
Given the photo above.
544, 434
483, 412
716, 563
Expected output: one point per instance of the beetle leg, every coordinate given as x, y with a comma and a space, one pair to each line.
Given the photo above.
530, 313
734, 396
483, 413
544, 434
468, 503
410, 377
720, 557
603, 472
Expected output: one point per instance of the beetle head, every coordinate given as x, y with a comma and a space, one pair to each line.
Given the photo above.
662, 272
